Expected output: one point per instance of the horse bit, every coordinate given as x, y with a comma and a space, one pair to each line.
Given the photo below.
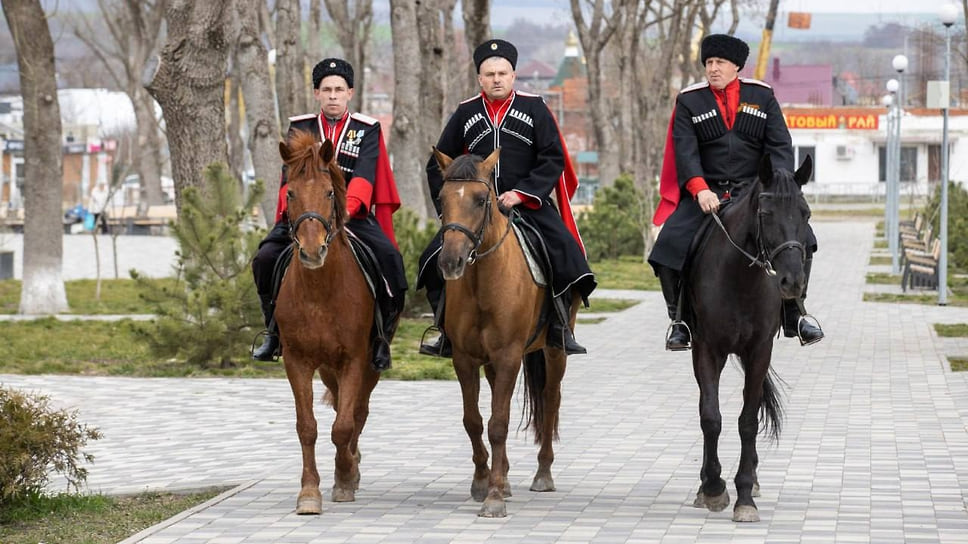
763, 260
477, 238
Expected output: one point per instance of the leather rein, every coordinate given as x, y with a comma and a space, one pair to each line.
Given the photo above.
477, 238
764, 257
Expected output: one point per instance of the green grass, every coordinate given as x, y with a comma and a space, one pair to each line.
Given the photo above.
879, 260
951, 331
90, 519
625, 273
958, 364
116, 296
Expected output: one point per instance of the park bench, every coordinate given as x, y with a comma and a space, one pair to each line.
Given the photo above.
921, 267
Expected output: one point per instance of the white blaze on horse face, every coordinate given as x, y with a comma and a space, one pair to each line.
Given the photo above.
460, 193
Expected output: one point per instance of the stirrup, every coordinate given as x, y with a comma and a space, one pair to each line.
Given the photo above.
812, 321
256, 344
672, 325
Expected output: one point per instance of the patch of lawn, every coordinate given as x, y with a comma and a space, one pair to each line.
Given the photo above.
604, 305
951, 331
90, 519
880, 260
958, 364
883, 278
628, 272
116, 296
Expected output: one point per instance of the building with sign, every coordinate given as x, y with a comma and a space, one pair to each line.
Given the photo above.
848, 147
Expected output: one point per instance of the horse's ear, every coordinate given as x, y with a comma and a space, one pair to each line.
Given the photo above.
490, 161
284, 151
766, 168
326, 151
803, 173
443, 161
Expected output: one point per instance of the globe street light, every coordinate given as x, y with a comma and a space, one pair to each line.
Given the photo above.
949, 12
900, 63
889, 177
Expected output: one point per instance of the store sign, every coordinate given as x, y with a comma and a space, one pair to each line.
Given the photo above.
14, 145
832, 121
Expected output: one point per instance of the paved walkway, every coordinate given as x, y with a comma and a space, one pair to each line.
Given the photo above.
875, 447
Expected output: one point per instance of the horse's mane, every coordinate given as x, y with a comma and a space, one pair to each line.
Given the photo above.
463, 167
305, 158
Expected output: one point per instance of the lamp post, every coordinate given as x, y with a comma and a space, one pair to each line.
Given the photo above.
900, 63
949, 12
890, 166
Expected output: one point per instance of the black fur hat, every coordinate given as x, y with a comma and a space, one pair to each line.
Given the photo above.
332, 67
726, 47
495, 48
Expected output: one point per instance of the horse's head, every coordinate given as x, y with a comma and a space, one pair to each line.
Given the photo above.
467, 200
316, 196
782, 230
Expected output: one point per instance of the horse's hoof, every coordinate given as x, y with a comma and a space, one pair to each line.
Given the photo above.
342, 494
745, 512
493, 508
506, 490
542, 484
756, 489
713, 504
479, 490
309, 506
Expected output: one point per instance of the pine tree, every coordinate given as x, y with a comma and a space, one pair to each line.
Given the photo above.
212, 313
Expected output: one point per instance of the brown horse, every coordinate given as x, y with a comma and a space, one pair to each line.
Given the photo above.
493, 319
325, 313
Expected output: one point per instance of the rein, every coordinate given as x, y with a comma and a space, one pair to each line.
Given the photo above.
764, 258
477, 238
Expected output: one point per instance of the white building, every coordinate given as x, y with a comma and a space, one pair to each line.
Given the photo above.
848, 146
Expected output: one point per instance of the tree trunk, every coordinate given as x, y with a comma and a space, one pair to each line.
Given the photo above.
353, 33
477, 29
236, 146
188, 80
42, 291
409, 151
292, 87
148, 161
260, 113
432, 61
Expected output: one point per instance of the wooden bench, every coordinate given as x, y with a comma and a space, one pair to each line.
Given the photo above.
154, 220
921, 268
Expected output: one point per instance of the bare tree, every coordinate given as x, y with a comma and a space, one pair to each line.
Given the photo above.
408, 149
291, 87
42, 291
352, 21
477, 29
135, 28
188, 80
594, 33
434, 59
260, 113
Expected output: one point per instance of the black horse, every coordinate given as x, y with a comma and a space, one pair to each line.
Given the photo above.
740, 272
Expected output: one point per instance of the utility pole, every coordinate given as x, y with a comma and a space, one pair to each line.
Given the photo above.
763, 59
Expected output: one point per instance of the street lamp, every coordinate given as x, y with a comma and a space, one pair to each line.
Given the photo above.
949, 12
900, 63
889, 164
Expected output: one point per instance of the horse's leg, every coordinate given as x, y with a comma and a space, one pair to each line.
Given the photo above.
757, 364
469, 376
505, 375
489, 374
554, 361
362, 412
707, 367
346, 473
300, 375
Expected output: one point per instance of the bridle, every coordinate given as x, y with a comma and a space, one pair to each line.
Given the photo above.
477, 238
765, 255
327, 224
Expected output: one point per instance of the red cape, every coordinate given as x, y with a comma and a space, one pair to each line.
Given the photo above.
668, 180
567, 185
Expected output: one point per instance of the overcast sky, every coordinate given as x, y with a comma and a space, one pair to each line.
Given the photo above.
864, 6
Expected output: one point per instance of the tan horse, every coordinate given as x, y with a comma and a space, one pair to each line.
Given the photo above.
325, 313
491, 316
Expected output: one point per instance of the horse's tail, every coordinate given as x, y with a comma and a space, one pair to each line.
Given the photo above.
533, 411
771, 406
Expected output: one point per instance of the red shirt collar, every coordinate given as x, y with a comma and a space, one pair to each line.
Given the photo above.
332, 131
727, 99
497, 108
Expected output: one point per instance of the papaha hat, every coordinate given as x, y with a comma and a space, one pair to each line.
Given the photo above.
726, 47
495, 48
332, 67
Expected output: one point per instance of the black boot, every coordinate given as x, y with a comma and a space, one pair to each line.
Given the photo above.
391, 310
269, 350
559, 333
678, 337
441, 346
796, 322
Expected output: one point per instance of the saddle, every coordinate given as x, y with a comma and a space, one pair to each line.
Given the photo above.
539, 264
